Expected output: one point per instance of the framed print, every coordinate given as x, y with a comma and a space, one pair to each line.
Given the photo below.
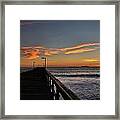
59, 59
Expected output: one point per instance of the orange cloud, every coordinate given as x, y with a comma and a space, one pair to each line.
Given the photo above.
84, 47
37, 51
79, 51
91, 60
49, 53
80, 46
30, 52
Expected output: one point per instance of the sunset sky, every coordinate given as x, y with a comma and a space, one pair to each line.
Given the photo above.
64, 43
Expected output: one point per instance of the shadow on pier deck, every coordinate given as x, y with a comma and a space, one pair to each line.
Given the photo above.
39, 84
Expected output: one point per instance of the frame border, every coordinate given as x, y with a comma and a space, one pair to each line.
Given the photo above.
60, 2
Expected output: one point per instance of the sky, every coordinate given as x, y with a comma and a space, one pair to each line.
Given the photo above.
63, 42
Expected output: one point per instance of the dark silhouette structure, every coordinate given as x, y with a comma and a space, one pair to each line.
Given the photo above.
39, 84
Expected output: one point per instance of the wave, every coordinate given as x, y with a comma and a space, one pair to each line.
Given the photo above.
81, 75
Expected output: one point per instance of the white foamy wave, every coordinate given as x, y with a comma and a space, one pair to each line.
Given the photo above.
85, 83
85, 89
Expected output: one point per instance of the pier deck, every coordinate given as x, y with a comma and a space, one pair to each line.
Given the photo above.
39, 84
34, 85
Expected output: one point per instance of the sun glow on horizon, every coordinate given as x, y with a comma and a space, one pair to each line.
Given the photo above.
70, 56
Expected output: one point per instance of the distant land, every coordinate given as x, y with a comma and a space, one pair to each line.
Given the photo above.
66, 67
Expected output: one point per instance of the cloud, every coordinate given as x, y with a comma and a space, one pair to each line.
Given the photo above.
91, 60
27, 22
30, 53
49, 53
79, 51
81, 48
37, 51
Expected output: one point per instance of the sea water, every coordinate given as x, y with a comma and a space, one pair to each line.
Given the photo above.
83, 81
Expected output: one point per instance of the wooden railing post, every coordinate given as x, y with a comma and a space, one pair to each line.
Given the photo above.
57, 95
49, 81
53, 90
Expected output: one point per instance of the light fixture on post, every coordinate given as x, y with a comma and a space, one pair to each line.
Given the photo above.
33, 64
44, 58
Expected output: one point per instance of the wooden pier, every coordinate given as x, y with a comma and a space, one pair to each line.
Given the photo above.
39, 84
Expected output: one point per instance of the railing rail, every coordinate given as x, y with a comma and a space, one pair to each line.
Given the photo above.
58, 88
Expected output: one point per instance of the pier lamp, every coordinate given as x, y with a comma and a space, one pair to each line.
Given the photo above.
33, 64
44, 58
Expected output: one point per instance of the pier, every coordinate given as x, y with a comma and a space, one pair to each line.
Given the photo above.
40, 84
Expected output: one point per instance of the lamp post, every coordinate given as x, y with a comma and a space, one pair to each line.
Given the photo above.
33, 64
44, 58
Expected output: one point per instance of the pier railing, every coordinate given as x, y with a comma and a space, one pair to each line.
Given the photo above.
59, 89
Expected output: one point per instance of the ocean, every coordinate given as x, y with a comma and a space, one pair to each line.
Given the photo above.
83, 81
